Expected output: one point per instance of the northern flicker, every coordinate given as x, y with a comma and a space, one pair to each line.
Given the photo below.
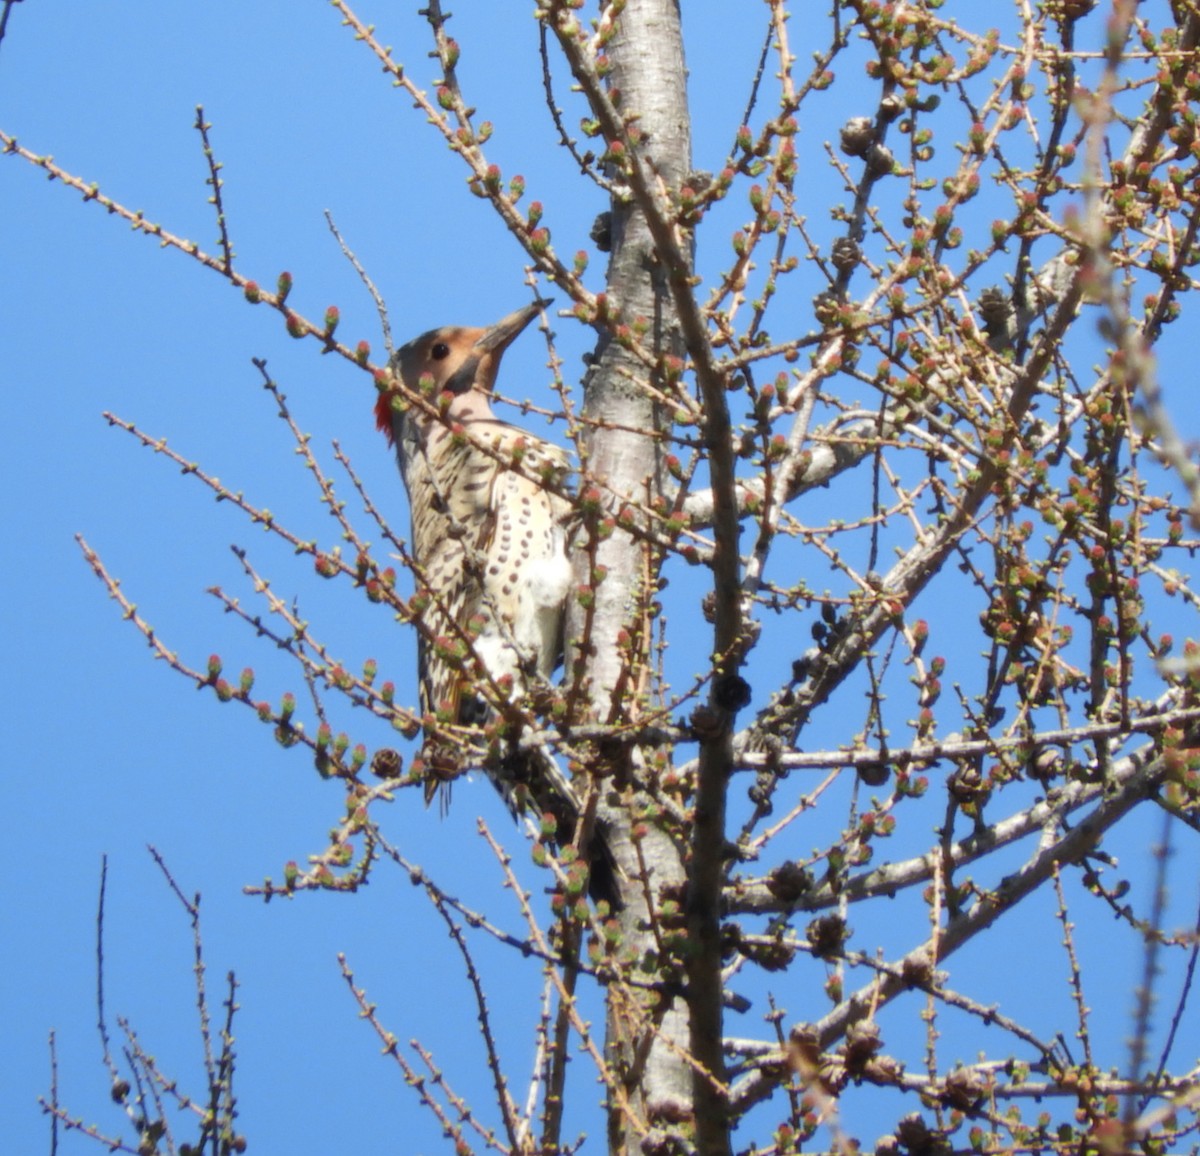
490, 547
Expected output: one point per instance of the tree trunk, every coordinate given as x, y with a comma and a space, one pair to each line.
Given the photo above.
646, 1041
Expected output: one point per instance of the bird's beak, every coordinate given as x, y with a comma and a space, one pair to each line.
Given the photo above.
497, 338
478, 371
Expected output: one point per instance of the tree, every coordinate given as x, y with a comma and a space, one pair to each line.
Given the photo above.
963, 360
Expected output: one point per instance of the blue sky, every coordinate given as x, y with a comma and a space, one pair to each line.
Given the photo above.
109, 751
120, 753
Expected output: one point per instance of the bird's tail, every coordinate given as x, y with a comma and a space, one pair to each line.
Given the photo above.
531, 783
530, 780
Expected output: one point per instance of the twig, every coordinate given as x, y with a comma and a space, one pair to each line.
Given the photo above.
614, 1084
215, 183
513, 1122
463, 138
4, 16
52, 1103
1082, 1031
586, 164
380, 307
192, 907
391, 1048
298, 326
1144, 998
1180, 1008
101, 1017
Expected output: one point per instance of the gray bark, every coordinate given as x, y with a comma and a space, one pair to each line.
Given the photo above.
646, 1042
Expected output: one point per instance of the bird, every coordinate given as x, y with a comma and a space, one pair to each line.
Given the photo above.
490, 551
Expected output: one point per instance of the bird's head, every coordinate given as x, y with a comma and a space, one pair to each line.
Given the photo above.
454, 361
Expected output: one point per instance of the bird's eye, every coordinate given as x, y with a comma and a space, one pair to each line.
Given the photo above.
440, 351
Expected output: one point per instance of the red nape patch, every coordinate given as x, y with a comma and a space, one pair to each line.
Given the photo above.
383, 417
